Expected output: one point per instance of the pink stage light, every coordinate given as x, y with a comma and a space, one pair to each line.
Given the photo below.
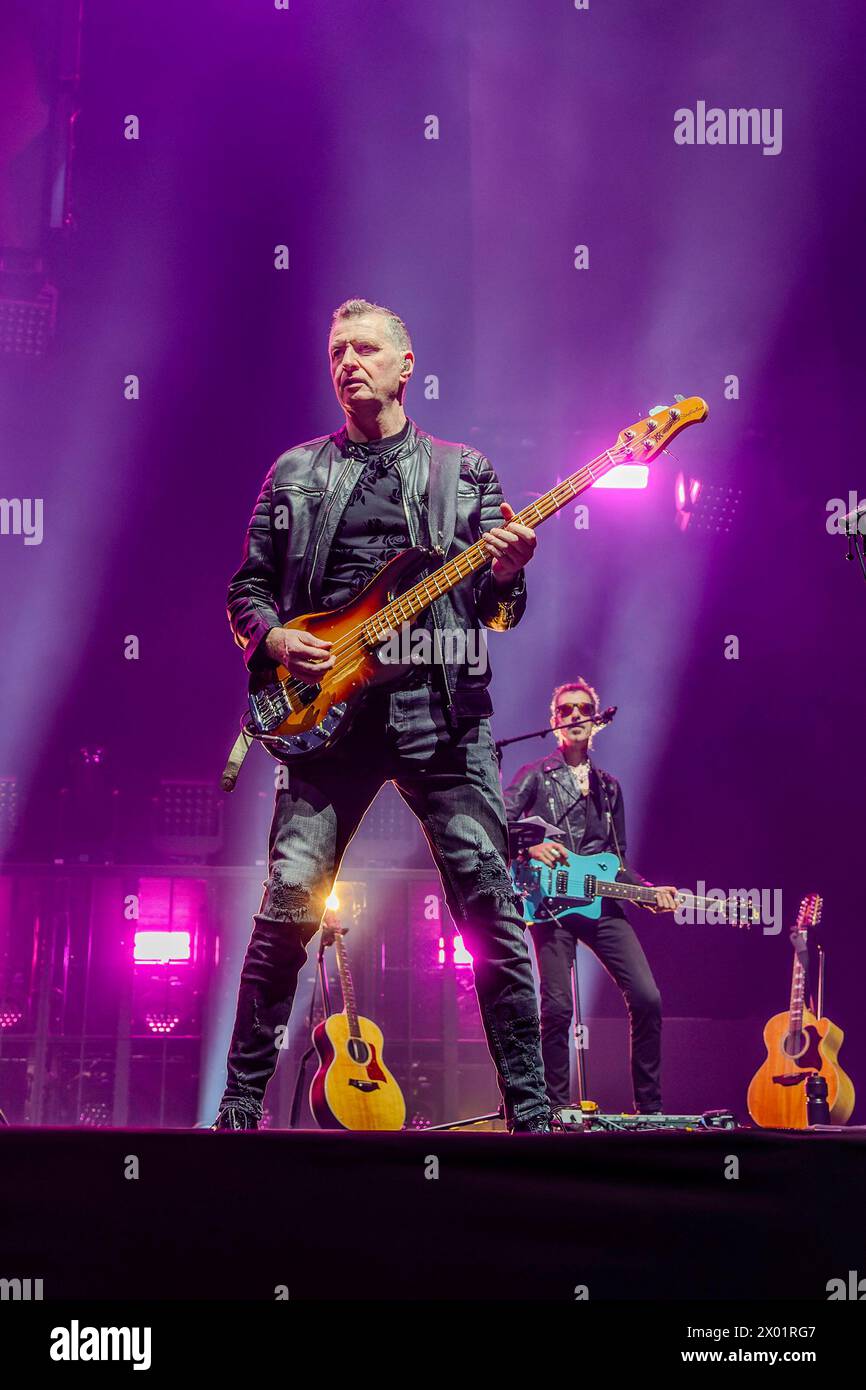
460, 954
630, 475
162, 1023
161, 947
686, 493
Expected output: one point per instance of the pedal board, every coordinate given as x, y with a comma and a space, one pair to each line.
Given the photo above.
588, 1117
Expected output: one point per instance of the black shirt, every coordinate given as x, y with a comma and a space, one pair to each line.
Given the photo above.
372, 530
587, 828
373, 526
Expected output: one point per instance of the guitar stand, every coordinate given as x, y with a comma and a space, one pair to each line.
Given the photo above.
461, 1124
327, 938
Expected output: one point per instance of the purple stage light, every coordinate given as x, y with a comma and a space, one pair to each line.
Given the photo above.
688, 490
95, 1114
460, 955
625, 475
712, 507
161, 947
162, 1023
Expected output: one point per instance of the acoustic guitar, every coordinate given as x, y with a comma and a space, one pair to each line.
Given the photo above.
799, 1045
294, 718
353, 1089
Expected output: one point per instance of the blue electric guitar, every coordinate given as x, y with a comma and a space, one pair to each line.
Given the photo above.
579, 885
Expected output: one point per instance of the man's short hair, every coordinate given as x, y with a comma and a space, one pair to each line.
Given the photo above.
353, 308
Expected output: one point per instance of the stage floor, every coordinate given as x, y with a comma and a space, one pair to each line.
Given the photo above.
190, 1214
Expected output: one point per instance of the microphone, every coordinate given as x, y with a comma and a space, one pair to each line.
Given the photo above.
606, 716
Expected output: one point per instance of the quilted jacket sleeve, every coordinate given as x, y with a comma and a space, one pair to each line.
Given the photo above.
499, 607
252, 590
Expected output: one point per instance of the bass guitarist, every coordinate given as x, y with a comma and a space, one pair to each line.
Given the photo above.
331, 512
586, 804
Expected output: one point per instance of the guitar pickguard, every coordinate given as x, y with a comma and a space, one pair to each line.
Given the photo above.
808, 1060
565, 889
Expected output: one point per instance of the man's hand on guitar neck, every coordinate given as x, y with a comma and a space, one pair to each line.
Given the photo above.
511, 546
666, 899
304, 656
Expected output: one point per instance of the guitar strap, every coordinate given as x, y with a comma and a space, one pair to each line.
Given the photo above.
445, 459
611, 824
240, 748
442, 494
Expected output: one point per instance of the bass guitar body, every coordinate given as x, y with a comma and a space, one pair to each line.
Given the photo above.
353, 1089
298, 718
777, 1094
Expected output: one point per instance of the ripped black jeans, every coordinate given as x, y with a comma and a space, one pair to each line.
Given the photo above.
450, 779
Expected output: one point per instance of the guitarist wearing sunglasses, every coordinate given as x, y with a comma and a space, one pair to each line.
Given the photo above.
587, 805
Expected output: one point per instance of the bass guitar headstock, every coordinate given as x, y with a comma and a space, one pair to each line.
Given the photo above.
642, 441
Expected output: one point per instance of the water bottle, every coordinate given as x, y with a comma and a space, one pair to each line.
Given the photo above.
817, 1109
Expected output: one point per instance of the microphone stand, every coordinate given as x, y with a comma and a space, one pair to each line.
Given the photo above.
855, 530
599, 722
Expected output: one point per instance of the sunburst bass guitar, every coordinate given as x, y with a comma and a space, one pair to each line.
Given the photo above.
799, 1045
294, 718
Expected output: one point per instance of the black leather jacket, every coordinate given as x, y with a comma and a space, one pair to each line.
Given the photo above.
290, 533
547, 788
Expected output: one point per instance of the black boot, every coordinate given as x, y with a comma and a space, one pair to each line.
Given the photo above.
536, 1124
233, 1117
273, 960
